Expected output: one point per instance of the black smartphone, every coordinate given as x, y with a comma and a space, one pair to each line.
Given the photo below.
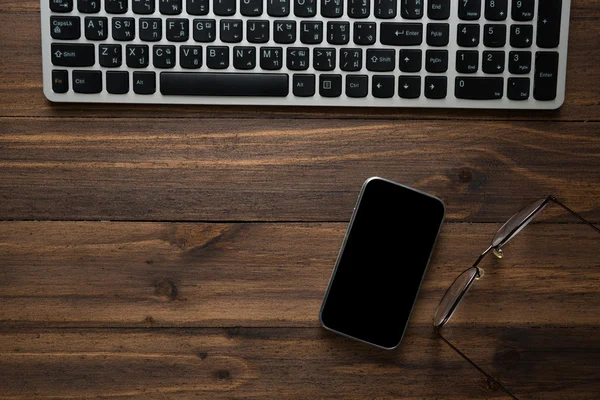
381, 264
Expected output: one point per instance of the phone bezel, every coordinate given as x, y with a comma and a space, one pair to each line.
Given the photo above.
343, 247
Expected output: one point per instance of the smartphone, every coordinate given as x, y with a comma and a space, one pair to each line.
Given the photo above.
381, 264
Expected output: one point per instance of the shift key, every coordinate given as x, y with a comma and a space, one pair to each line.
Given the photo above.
400, 34
545, 78
73, 55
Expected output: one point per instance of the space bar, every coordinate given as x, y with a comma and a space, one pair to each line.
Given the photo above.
223, 84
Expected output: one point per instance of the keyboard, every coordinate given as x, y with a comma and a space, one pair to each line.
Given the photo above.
504, 54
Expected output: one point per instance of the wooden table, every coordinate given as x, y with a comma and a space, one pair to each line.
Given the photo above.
152, 252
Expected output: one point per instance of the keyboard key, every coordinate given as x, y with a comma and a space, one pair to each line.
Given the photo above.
365, 33
137, 55
60, 81
231, 30
278, 8
150, 29
115, 7
143, 7
359, 8
87, 81
436, 87
469, 9
305, 8
73, 55
493, 62
65, 28
495, 10
478, 88
548, 23
96, 28
436, 60
494, 35
332, 8
546, 73
244, 57
271, 58
410, 60
338, 32
178, 29
217, 57
311, 32
297, 58
190, 57
401, 34
163, 56
223, 84
519, 62
518, 88
123, 29
303, 85
438, 9
467, 61
168, 7
521, 35
251, 8
467, 35
61, 6
350, 59
88, 6
257, 31
323, 59
204, 30
412, 9
144, 82
357, 86
117, 82
284, 31
199, 7
385, 9
409, 87
110, 55
381, 60
383, 86
438, 34
522, 10
224, 7
330, 85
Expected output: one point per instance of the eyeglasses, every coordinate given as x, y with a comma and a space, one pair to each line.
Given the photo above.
456, 292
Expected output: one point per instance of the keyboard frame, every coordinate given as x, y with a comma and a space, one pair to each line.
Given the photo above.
422, 102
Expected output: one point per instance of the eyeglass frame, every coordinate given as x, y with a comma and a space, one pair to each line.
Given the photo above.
497, 251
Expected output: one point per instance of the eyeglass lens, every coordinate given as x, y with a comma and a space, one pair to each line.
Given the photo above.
517, 222
453, 296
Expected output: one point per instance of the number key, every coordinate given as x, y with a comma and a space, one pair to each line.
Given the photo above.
468, 35
493, 62
469, 9
519, 62
521, 35
522, 10
467, 61
495, 10
494, 35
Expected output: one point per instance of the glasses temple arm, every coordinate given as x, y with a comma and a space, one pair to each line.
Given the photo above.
552, 198
477, 367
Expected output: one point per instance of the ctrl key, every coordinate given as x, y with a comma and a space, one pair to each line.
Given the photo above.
87, 81
60, 81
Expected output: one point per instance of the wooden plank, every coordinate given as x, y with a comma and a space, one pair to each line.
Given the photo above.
84, 274
21, 93
224, 364
224, 170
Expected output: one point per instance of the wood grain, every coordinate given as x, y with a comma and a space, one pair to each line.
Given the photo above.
271, 170
21, 92
68, 274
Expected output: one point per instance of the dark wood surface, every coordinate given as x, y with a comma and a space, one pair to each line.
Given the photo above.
156, 252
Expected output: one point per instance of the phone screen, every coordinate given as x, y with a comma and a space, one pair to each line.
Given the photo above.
382, 262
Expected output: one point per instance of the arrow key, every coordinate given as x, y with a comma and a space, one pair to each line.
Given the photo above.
409, 87
436, 87
493, 62
410, 60
521, 36
383, 86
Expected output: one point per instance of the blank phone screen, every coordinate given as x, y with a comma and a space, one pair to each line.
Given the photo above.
382, 263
